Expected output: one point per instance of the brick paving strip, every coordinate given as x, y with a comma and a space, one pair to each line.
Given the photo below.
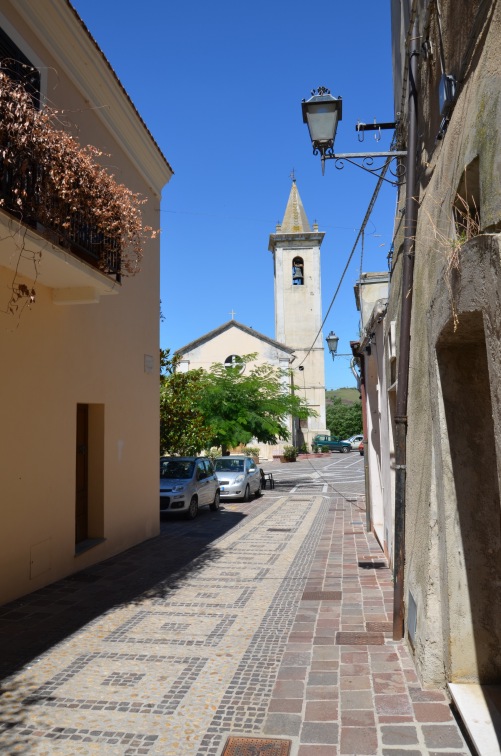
281, 631
344, 687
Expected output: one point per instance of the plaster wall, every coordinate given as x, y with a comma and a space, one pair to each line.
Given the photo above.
234, 341
371, 293
298, 320
56, 356
370, 288
299, 308
443, 548
379, 447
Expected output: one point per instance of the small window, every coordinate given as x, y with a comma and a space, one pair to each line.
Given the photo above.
298, 271
17, 66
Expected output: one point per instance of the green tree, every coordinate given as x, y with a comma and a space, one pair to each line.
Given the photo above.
226, 406
344, 420
183, 429
241, 404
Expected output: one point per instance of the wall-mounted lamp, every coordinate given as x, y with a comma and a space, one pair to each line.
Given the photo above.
321, 113
332, 342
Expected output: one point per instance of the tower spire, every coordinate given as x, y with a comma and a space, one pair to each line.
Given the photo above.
295, 220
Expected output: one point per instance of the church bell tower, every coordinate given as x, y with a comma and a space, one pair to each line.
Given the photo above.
298, 308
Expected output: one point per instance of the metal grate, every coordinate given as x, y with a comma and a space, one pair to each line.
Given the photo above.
379, 627
279, 530
322, 596
359, 639
256, 747
373, 564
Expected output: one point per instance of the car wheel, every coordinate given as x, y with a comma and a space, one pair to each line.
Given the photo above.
247, 493
258, 491
345, 449
215, 504
192, 509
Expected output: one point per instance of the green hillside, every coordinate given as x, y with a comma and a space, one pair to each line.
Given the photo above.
347, 395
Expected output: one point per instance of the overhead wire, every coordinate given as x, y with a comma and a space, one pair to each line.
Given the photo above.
360, 233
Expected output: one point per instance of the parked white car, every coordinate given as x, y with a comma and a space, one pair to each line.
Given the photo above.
239, 477
355, 441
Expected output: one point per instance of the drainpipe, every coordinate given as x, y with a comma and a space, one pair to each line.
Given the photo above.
368, 505
359, 360
411, 211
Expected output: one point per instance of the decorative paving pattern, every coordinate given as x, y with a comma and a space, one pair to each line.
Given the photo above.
212, 627
218, 607
274, 633
244, 704
130, 743
69, 688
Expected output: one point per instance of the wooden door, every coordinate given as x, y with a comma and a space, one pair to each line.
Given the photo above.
82, 465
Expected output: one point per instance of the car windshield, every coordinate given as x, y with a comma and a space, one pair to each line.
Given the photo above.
176, 469
229, 465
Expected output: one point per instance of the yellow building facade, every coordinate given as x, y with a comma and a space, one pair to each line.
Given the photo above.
79, 434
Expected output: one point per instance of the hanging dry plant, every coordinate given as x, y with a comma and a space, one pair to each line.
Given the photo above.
50, 181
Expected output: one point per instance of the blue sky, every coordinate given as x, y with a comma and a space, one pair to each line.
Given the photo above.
220, 87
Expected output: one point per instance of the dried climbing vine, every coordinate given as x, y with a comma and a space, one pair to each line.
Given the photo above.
49, 179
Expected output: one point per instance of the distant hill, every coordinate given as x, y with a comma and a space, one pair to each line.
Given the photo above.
347, 395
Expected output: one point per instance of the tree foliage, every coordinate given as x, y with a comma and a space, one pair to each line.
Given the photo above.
225, 406
344, 420
244, 404
183, 429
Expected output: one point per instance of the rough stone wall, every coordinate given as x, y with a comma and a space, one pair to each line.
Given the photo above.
434, 525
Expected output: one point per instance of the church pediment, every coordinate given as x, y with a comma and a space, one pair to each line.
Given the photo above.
262, 342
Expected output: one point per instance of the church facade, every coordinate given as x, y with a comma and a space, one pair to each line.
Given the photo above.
298, 343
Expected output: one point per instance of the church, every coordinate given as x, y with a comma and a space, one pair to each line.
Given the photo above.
298, 343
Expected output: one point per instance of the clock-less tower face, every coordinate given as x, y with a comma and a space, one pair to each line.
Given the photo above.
298, 306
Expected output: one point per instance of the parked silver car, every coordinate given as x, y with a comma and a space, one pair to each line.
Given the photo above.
239, 477
355, 440
187, 483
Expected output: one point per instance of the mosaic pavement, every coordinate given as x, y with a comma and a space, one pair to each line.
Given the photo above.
279, 629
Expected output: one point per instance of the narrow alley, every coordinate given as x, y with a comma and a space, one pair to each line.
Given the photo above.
264, 629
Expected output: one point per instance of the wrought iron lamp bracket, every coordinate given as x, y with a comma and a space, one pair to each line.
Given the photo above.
367, 162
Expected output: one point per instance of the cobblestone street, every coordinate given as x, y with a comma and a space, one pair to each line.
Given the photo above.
270, 619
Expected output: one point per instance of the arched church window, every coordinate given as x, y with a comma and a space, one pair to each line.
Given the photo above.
234, 361
298, 271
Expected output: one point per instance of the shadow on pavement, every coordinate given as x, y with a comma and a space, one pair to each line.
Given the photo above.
34, 623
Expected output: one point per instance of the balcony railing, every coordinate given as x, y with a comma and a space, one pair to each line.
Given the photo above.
28, 193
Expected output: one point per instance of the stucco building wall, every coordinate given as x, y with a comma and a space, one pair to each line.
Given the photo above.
102, 353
